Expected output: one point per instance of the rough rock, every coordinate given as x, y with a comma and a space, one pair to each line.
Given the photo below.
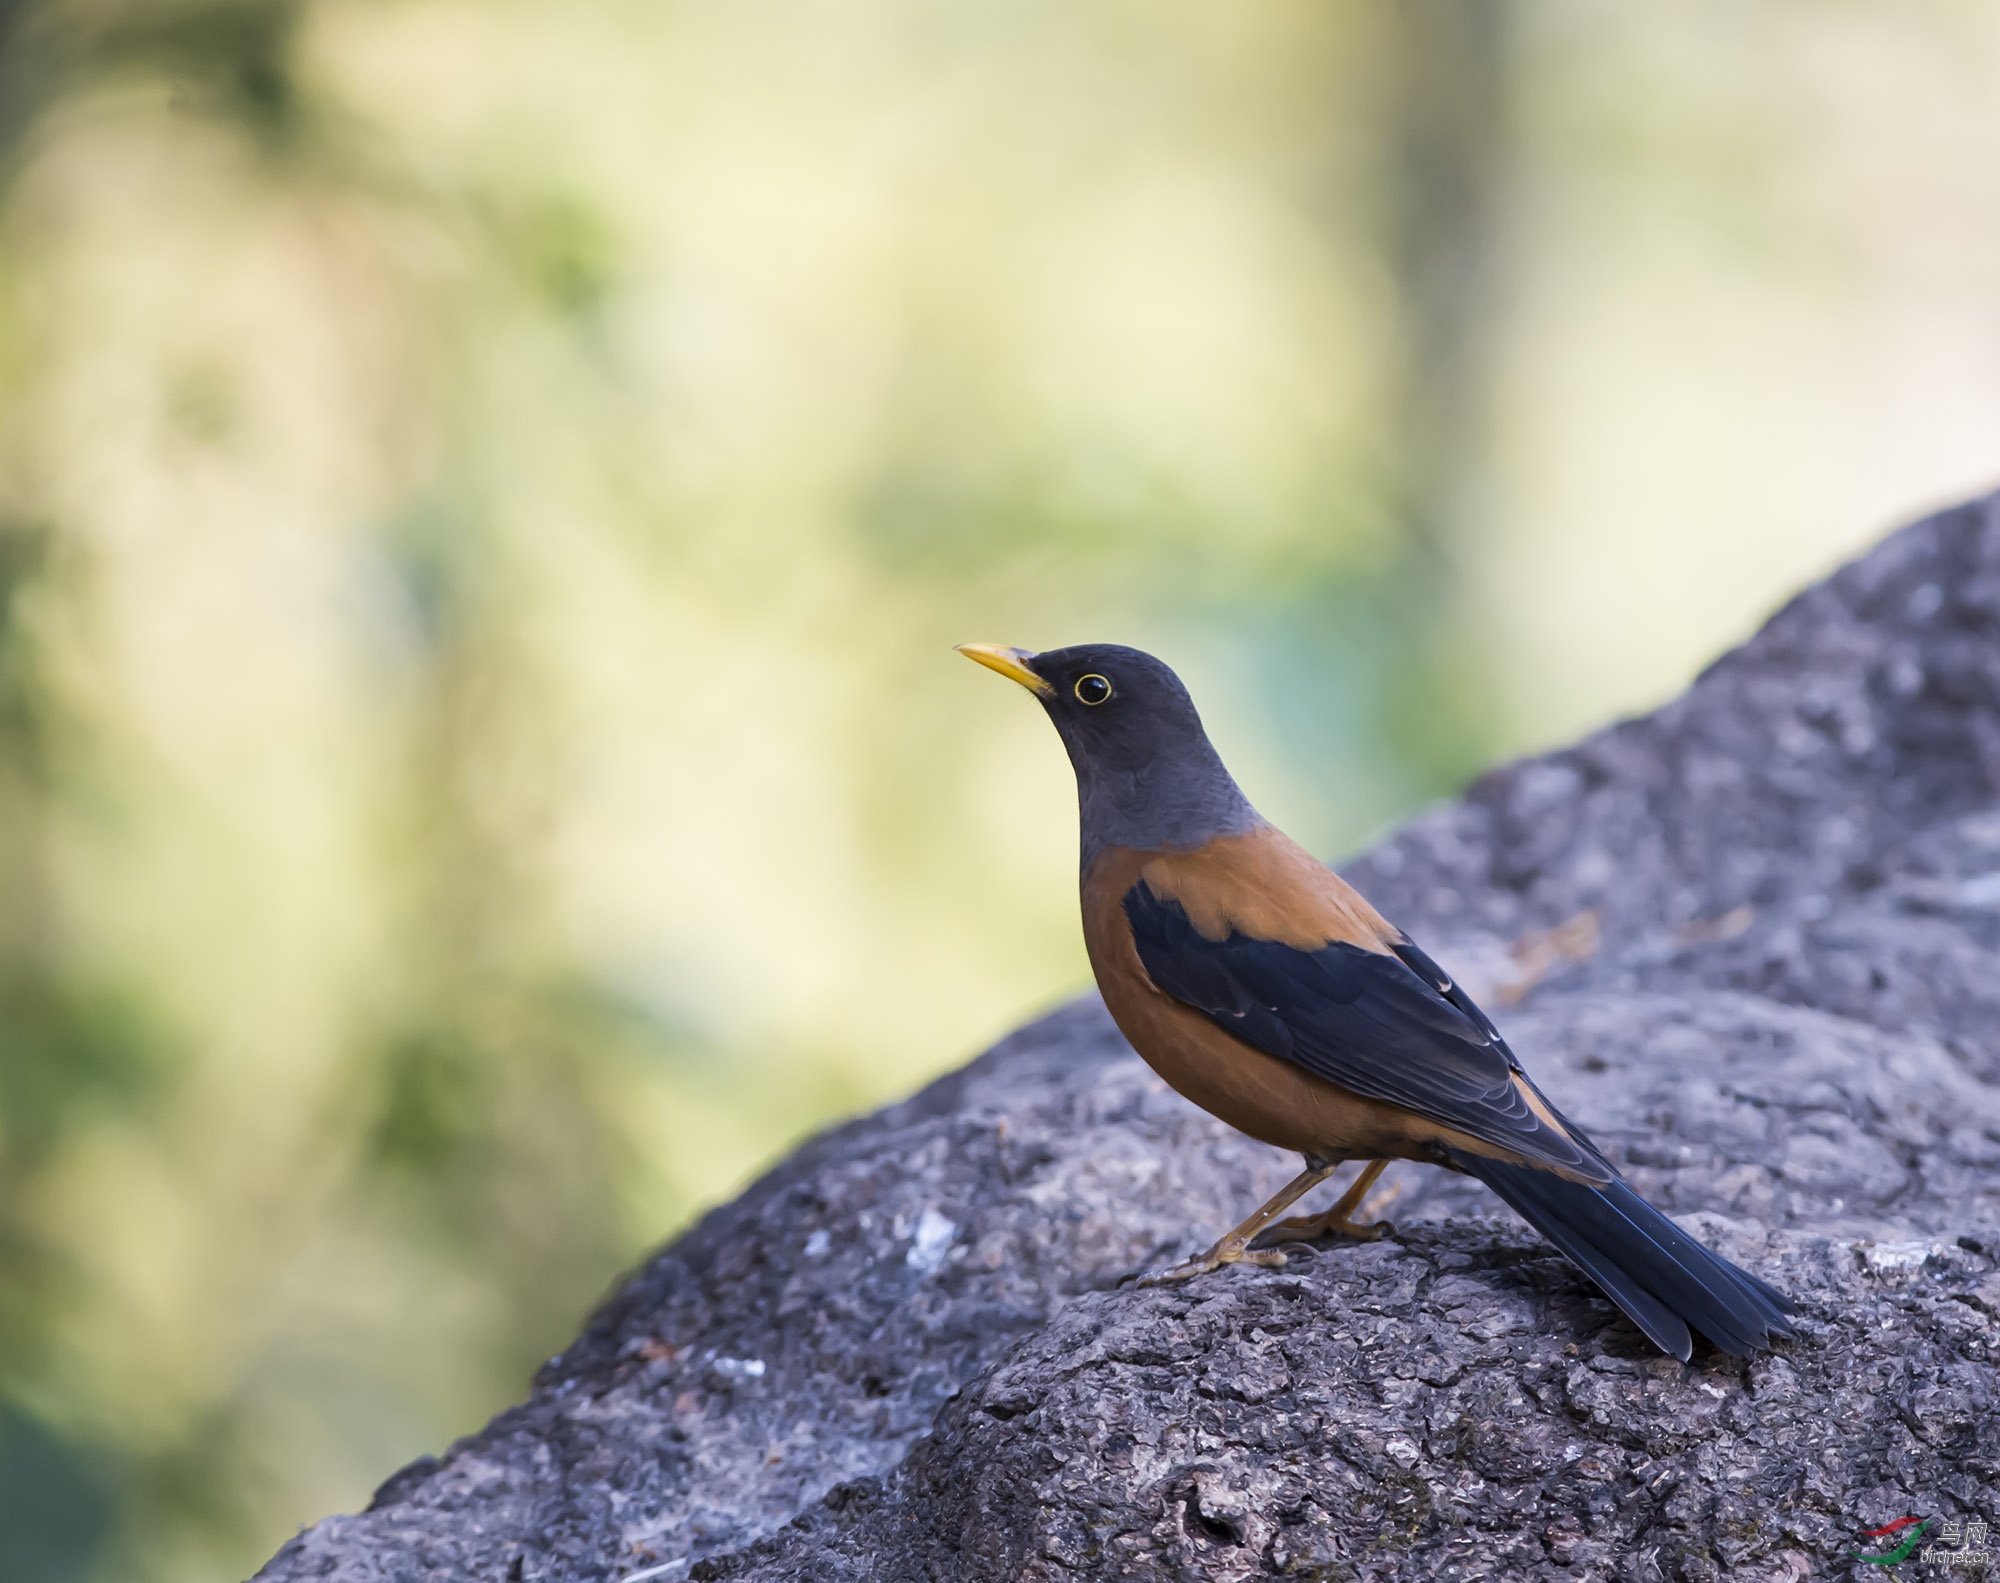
1752, 941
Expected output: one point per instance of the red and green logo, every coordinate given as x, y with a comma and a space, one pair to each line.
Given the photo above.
1915, 1527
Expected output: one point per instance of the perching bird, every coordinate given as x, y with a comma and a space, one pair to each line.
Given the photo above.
1263, 987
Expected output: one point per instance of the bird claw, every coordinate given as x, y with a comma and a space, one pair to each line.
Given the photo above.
1215, 1259
1311, 1228
1240, 1246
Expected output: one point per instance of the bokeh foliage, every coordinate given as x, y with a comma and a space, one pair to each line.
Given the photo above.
487, 492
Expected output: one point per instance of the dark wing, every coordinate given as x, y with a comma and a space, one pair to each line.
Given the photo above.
1391, 1028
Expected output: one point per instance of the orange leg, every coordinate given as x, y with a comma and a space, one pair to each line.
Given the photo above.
1235, 1248
1337, 1220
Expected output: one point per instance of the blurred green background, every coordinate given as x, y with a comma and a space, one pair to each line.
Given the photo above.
487, 491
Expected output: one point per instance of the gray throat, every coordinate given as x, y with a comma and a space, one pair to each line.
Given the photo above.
1159, 807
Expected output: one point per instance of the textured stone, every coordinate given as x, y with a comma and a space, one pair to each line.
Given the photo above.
1752, 941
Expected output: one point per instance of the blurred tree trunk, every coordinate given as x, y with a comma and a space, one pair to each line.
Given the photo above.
1443, 151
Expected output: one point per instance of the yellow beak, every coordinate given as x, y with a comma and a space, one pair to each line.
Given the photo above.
1010, 663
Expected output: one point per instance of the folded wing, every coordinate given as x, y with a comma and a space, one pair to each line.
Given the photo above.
1390, 1027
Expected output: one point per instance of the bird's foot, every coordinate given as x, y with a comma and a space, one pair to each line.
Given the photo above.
1227, 1251
1310, 1228
1339, 1221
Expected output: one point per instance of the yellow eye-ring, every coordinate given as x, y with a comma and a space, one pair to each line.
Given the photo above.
1092, 689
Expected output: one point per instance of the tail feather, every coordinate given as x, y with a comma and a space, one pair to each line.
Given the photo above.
1662, 1278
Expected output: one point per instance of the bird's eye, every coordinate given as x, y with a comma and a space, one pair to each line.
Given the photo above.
1092, 689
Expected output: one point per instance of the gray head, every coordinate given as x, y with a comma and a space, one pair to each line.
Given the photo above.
1146, 775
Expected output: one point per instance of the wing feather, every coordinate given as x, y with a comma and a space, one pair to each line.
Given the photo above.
1390, 1027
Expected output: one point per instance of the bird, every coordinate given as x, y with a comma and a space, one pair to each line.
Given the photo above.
1264, 988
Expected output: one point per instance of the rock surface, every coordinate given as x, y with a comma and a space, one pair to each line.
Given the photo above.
1751, 941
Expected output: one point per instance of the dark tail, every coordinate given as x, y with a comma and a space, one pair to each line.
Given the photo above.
1663, 1278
